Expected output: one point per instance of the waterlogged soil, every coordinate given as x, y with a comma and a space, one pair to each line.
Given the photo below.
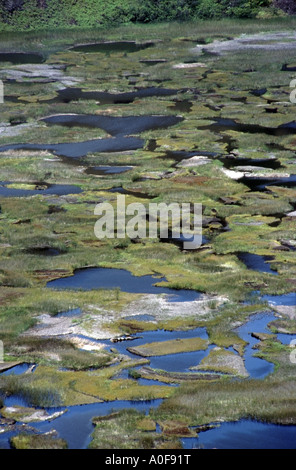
136, 330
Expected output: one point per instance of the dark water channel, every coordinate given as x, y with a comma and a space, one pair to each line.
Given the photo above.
111, 278
138, 194
110, 47
230, 161
16, 58
104, 97
263, 183
257, 368
257, 262
180, 155
180, 362
284, 299
41, 189
81, 149
75, 426
19, 369
125, 125
119, 127
244, 434
224, 124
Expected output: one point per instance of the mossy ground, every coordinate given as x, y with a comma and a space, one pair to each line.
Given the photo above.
31, 441
236, 219
170, 347
129, 429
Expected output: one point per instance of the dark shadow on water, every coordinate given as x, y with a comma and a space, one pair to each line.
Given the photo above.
103, 97
230, 161
180, 155
44, 251
153, 61
258, 91
138, 194
109, 47
183, 238
21, 58
263, 183
182, 106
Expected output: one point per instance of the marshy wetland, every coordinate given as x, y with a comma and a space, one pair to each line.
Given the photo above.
137, 343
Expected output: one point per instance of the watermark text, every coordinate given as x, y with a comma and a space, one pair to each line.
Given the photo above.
1, 351
293, 352
1, 92
174, 221
293, 92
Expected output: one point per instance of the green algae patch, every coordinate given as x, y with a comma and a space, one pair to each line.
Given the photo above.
223, 361
176, 428
177, 323
37, 98
81, 387
170, 347
246, 234
146, 424
49, 350
121, 389
129, 429
229, 400
284, 325
26, 186
134, 326
31, 441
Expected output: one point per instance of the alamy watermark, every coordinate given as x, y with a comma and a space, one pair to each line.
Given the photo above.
1, 351
1, 92
293, 352
293, 92
160, 220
